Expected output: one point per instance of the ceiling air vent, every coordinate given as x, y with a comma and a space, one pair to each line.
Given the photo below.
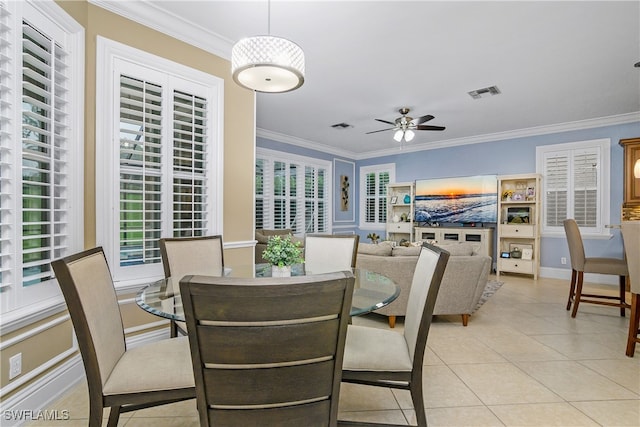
484, 92
342, 126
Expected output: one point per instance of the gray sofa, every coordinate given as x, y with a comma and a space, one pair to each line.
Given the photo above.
462, 285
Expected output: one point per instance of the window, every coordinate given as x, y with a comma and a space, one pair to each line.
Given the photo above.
373, 195
41, 152
162, 147
292, 192
575, 183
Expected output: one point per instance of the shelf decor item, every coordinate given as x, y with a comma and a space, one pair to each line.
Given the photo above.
282, 253
407, 199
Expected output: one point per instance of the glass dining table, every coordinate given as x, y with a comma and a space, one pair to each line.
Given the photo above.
371, 291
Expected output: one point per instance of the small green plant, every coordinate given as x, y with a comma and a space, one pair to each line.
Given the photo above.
282, 251
373, 237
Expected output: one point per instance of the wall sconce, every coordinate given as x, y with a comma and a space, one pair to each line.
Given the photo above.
636, 169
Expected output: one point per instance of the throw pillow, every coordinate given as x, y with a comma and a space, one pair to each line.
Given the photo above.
406, 251
381, 249
457, 249
261, 238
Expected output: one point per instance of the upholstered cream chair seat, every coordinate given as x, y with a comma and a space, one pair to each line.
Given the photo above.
267, 351
580, 264
631, 236
386, 358
191, 255
325, 253
123, 379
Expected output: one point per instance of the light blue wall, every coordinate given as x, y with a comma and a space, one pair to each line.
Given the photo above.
512, 156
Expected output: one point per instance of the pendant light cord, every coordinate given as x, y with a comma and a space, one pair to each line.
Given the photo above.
268, 17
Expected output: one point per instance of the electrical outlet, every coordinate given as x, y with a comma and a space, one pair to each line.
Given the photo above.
15, 366
563, 261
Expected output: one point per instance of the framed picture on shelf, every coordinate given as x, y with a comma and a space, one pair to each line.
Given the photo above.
531, 193
394, 200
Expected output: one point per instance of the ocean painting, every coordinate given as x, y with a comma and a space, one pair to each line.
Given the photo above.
462, 200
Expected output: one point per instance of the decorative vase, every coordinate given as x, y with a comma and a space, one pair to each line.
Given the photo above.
396, 218
280, 271
407, 199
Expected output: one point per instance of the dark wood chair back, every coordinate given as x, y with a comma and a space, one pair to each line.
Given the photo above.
267, 351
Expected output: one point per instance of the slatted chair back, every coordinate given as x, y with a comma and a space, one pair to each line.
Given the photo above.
267, 351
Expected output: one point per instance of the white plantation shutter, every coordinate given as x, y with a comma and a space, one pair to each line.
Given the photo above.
315, 196
190, 165
262, 201
575, 179
291, 193
556, 182
370, 197
373, 184
165, 159
40, 127
280, 195
140, 195
8, 245
383, 180
585, 188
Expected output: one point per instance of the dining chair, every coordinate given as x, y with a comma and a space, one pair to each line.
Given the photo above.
267, 351
631, 236
386, 358
191, 255
120, 378
325, 253
581, 264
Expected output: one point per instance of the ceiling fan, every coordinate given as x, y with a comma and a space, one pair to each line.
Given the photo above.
405, 125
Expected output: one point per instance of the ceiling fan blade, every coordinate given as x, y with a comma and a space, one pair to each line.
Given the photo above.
386, 121
428, 127
381, 130
423, 119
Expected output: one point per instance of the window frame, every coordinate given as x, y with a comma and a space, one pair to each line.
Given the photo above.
302, 162
603, 148
112, 55
19, 304
389, 168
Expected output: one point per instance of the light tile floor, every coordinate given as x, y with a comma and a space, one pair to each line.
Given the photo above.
522, 361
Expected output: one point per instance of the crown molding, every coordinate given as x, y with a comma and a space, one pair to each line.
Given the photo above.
434, 145
146, 13
499, 136
304, 143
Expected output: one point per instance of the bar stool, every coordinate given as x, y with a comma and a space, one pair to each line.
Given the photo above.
580, 264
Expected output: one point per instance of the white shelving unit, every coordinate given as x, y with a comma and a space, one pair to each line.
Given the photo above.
519, 210
400, 198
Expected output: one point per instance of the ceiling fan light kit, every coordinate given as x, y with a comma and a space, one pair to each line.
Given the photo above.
267, 63
405, 126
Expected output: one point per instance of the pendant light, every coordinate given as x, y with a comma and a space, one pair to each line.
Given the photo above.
267, 63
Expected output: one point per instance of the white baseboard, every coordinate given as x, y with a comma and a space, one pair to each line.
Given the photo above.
565, 274
24, 405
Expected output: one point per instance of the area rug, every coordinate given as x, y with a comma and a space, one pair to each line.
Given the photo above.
490, 289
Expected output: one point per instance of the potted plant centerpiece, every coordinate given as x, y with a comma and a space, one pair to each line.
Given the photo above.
282, 253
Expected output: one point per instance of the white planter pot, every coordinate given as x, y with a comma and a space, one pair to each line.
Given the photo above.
280, 271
